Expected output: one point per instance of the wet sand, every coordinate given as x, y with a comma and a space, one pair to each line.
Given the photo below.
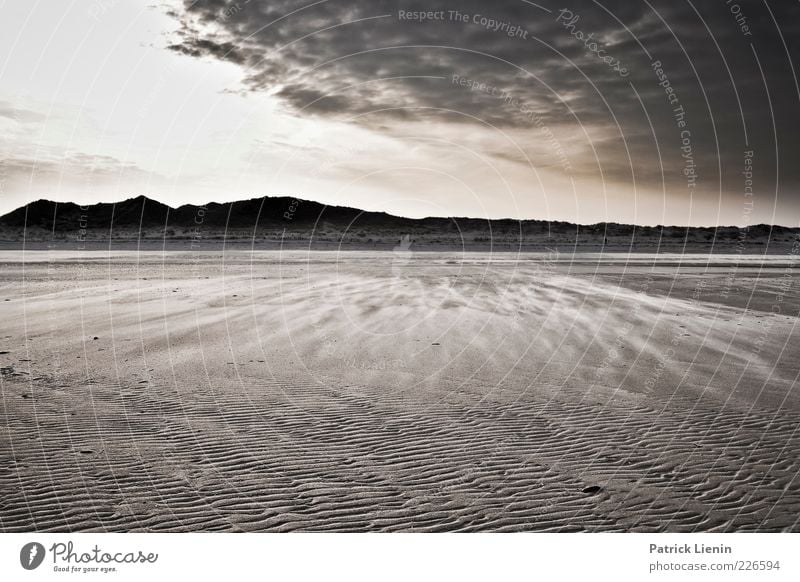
398, 391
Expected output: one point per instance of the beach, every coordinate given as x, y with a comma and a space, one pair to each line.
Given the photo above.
398, 390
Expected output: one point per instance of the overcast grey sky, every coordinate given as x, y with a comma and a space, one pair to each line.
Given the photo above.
627, 111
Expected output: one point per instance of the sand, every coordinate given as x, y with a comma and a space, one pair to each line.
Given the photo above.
398, 391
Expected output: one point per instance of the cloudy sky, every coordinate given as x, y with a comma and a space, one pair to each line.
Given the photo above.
644, 111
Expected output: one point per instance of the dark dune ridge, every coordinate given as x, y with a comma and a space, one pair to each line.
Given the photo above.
285, 220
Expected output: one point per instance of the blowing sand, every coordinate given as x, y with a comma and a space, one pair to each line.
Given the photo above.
279, 391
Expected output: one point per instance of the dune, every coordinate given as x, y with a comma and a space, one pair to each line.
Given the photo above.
398, 391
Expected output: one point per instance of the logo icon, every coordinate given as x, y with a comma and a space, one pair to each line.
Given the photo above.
31, 555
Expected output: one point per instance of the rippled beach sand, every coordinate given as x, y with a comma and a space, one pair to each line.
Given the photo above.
281, 391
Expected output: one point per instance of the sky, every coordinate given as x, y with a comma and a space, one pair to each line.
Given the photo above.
647, 112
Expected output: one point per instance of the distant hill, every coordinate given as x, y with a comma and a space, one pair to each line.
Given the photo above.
289, 219
143, 212
258, 213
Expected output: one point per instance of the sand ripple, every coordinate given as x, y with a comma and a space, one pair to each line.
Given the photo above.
152, 398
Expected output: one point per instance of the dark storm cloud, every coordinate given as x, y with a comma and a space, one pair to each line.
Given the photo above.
532, 70
198, 47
